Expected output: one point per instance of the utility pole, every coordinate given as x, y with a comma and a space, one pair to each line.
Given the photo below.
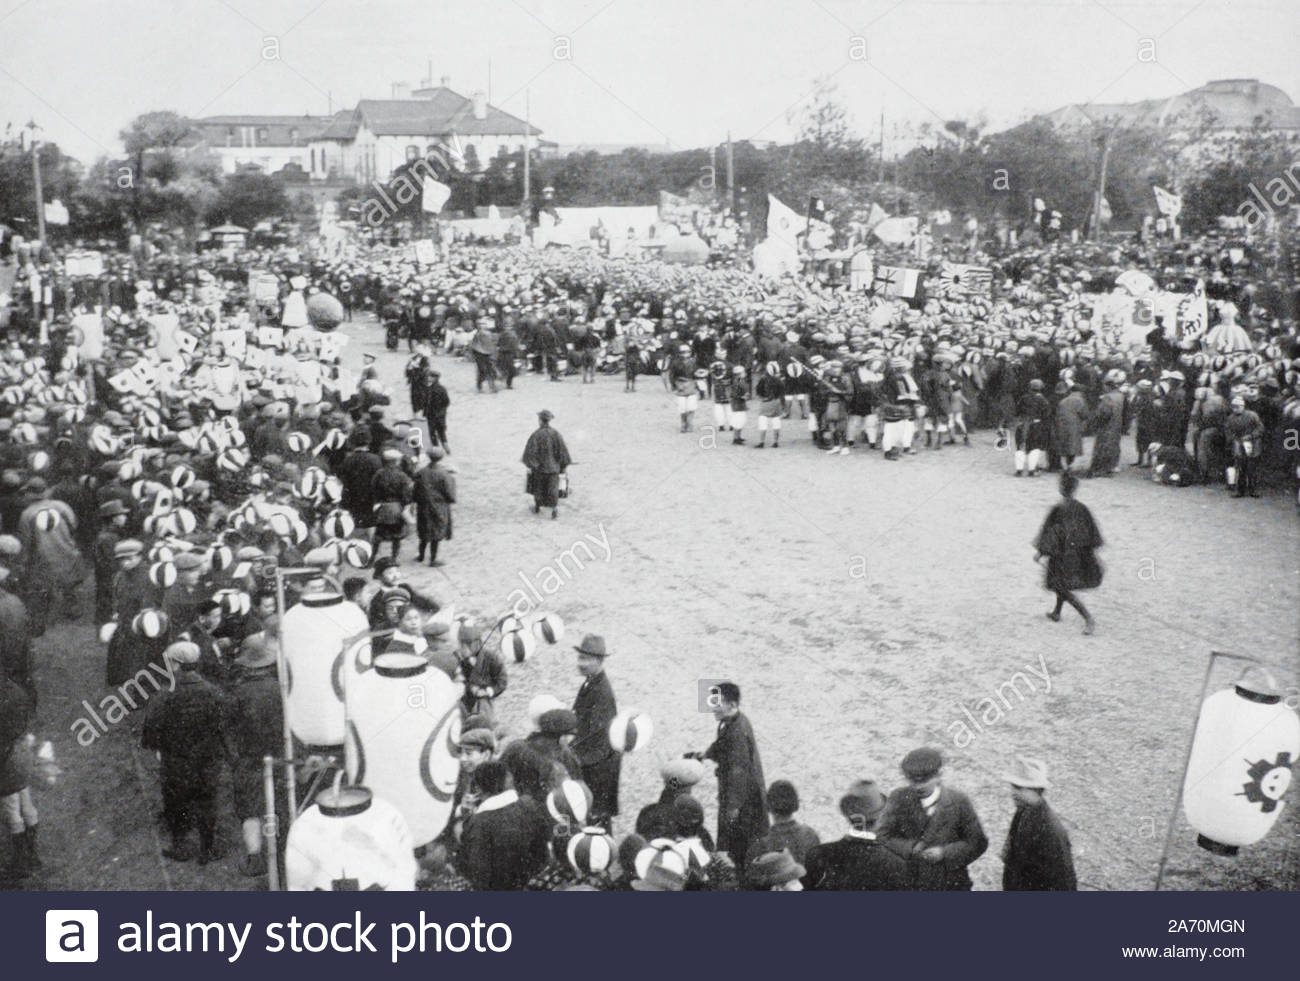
731, 175
528, 141
881, 178
1101, 182
36, 182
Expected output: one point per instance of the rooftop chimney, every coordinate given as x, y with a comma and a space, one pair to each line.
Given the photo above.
445, 81
401, 90
479, 98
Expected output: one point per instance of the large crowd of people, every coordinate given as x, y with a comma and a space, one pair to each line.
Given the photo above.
174, 429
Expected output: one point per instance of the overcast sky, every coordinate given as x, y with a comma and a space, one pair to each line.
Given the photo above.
638, 71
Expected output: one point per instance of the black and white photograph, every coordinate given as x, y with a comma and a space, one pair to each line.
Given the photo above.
876, 465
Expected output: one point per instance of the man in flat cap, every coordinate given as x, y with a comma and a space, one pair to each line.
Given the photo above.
546, 457
742, 791
936, 825
859, 861
1037, 854
595, 708
185, 726
112, 525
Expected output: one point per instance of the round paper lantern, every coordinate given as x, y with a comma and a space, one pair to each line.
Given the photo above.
162, 574
518, 645
357, 553
324, 312
107, 631
404, 721
338, 524
332, 489
232, 460
281, 523
313, 634
162, 552
47, 519
630, 730
1246, 741
311, 483
590, 851
659, 853
570, 803
549, 628
335, 440
181, 522
350, 840
539, 705
236, 438
509, 623
151, 623
234, 602
182, 476
299, 442
38, 462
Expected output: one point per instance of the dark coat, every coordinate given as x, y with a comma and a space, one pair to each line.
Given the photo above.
545, 451
789, 834
434, 494
1071, 416
358, 474
595, 708
855, 863
16, 709
505, 847
1069, 538
15, 642
742, 791
1037, 855
256, 730
954, 826
554, 758
187, 726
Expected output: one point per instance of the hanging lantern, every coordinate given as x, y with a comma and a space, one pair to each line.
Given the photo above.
539, 705
403, 724
570, 803
1247, 740
358, 553
630, 731
517, 645
590, 851
338, 523
349, 840
549, 628
313, 634
47, 519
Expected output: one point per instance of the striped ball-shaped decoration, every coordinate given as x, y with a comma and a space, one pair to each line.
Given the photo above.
234, 602
334, 440
162, 574
630, 730
181, 522
311, 483
298, 530
570, 803
232, 460
24, 434
208, 443
357, 553
659, 853
332, 489
298, 442
151, 623
591, 851
162, 552
47, 519
549, 628
221, 557
182, 476
517, 645
338, 524
38, 462
281, 523
236, 438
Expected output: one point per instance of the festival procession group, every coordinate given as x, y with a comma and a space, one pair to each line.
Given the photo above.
181, 444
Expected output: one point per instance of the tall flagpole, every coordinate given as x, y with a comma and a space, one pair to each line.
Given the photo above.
731, 175
528, 139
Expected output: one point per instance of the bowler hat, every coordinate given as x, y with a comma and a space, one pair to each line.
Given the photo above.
593, 645
775, 869
864, 799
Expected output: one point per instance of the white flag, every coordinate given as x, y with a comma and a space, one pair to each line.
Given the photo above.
436, 194
1168, 202
783, 224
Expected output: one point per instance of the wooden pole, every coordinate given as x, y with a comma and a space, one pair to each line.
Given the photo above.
270, 829
1101, 183
40, 194
528, 140
731, 175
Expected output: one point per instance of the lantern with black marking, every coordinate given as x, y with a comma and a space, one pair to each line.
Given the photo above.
47, 519
630, 731
517, 645
1247, 740
150, 622
590, 851
549, 628
569, 803
298, 442
357, 553
163, 574
338, 524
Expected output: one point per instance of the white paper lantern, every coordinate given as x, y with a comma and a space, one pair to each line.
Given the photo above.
517, 645
403, 724
630, 730
350, 840
539, 705
1246, 741
549, 628
314, 633
590, 851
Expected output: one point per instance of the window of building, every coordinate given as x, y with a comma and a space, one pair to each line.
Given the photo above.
412, 153
262, 134
313, 160
502, 150
293, 135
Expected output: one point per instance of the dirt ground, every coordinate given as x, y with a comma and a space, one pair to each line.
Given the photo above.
865, 607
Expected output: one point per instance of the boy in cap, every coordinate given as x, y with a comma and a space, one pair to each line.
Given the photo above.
185, 726
1037, 854
936, 825
859, 861
785, 833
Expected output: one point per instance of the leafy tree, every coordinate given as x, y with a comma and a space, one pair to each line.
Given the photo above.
151, 141
248, 196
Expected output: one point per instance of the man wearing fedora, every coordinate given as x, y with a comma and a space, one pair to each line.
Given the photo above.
256, 731
860, 861
1037, 854
936, 825
742, 791
595, 709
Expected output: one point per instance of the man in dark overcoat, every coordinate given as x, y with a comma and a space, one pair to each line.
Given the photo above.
742, 790
1037, 854
595, 709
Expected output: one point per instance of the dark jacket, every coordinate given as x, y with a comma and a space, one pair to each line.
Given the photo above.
788, 834
187, 726
954, 826
545, 451
1069, 538
595, 708
1037, 855
855, 863
741, 787
504, 847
